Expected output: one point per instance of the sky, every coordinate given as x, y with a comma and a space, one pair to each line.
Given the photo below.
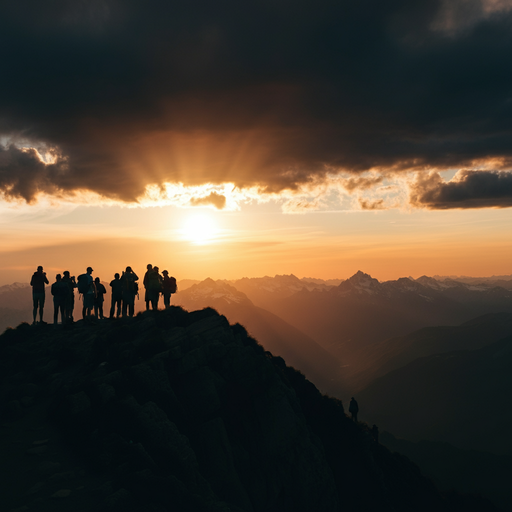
230, 139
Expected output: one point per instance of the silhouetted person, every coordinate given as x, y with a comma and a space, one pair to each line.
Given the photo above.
117, 296
60, 292
86, 288
154, 287
147, 295
130, 289
70, 302
375, 433
38, 294
168, 288
353, 408
99, 299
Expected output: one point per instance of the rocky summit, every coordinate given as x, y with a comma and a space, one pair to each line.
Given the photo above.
178, 411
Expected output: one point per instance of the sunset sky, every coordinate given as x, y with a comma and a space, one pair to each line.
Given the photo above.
230, 139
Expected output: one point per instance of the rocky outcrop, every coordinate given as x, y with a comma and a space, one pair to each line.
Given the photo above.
181, 411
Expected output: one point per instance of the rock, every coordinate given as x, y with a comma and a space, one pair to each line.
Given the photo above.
36, 488
48, 467
27, 401
66, 475
14, 406
38, 450
62, 493
78, 403
40, 442
119, 501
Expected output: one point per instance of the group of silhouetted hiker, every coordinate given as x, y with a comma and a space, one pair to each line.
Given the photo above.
124, 290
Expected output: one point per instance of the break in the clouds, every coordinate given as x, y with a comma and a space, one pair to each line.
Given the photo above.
467, 189
212, 199
267, 96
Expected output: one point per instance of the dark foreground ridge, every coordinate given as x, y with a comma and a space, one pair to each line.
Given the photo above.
176, 411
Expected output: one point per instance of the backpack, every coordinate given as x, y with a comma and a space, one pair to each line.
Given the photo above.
153, 281
173, 287
83, 283
130, 285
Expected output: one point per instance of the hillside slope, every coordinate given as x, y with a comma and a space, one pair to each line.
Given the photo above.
276, 335
457, 397
388, 355
177, 411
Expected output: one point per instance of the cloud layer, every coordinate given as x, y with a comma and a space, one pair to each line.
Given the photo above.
467, 189
273, 95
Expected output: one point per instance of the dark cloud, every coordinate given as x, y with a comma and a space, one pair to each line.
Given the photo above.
214, 199
24, 173
362, 183
377, 204
268, 94
468, 189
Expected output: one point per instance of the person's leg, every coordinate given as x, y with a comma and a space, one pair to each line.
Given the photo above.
41, 308
112, 307
55, 312
35, 301
100, 309
118, 313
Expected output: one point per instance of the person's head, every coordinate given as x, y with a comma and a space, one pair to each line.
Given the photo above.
58, 277
149, 266
116, 275
164, 272
40, 268
97, 280
156, 269
90, 270
128, 269
66, 273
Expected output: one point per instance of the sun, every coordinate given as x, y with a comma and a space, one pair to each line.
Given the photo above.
200, 229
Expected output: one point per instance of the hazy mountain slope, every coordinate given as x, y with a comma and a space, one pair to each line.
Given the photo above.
459, 397
361, 311
273, 333
381, 358
448, 467
179, 411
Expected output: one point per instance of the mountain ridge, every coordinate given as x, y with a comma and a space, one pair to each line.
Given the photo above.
182, 411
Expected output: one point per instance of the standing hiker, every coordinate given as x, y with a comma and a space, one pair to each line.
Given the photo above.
37, 282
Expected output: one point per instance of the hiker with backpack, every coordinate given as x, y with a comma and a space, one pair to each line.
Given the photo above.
117, 296
86, 288
168, 288
37, 282
70, 302
147, 293
98, 300
353, 408
60, 292
153, 285
130, 288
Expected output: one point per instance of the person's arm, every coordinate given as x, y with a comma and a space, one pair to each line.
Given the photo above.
46, 279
